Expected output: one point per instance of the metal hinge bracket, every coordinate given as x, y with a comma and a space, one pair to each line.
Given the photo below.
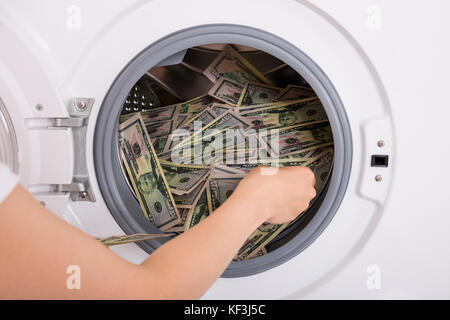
79, 111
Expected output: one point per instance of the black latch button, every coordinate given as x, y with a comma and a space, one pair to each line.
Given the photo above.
380, 161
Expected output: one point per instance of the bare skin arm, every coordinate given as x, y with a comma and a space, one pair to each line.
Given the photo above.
36, 247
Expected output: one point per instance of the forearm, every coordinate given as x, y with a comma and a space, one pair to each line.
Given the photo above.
37, 247
190, 263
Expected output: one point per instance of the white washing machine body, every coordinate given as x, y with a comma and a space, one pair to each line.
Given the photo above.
387, 61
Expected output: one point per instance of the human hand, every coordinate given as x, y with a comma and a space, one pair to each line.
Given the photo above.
279, 196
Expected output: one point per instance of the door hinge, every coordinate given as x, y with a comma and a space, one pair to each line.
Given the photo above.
79, 110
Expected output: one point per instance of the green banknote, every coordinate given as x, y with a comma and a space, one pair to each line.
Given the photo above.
224, 170
246, 109
258, 240
146, 174
260, 252
286, 114
226, 120
159, 129
128, 238
159, 144
188, 200
183, 178
257, 94
196, 105
269, 162
299, 138
231, 65
220, 189
223, 122
199, 212
227, 91
293, 92
179, 228
220, 108
210, 147
200, 120
321, 165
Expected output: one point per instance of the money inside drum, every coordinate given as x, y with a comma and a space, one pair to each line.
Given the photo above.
195, 104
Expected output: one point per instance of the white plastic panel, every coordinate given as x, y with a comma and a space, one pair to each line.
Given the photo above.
55, 162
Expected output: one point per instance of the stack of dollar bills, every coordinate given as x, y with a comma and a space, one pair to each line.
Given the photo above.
184, 160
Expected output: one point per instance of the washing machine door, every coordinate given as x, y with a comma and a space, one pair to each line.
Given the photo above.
125, 43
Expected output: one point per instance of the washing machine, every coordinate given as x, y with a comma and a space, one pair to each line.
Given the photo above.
380, 69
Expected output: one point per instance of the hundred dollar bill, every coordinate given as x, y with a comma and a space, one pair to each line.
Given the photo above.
196, 105
208, 147
128, 238
238, 154
199, 212
187, 201
307, 155
226, 176
275, 162
227, 91
231, 65
198, 192
172, 138
197, 122
146, 174
286, 114
260, 252
245, 109
179, 228
293, 92
310, 155
258, 240
201, 119
183, 178
180, 120
184, 215
159, 144
321, 166
257, 94
222, 169
219, 108
220, 189
226, 120
222, 122
260, 158
156, 114
124, 117
299, 138
158, 129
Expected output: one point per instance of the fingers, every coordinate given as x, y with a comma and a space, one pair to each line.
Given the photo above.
311, 194
301, 172
284, 193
